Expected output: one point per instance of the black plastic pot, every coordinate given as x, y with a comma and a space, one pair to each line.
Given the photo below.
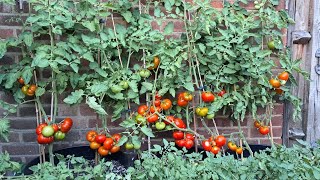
126, 159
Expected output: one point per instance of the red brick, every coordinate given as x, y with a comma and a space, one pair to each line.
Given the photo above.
23, 124
20, 149
277, 132
85, 110
277, 120
217, 4
29, 136
12, 20
6, 33
67, 110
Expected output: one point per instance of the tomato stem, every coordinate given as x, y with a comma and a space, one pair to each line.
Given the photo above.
243, 138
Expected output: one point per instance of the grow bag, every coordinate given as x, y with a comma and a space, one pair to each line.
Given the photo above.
125, 159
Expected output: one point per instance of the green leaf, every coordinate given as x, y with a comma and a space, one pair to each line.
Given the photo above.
134, 86
75, 97
147, 131
189, 86
90, 25
122, 140
40, 91
88, 56
135, 141
147, 85
127, 16
91, 101
168, 29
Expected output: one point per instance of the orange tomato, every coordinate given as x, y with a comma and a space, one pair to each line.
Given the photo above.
102, 151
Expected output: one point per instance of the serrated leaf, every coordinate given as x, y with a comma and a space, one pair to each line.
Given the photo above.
88, 56
40, 91
189, 86
91, 101
147, 85
90, 25
147, 131
122, 140
75, 97
127, 16
135, 141
134, 86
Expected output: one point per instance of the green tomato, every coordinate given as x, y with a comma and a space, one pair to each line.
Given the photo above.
144, 73
256, 2
129, 146
47, 131
124, 84
140, 119
160, 125
115, 89
59, 135
210, 116
257, 7
271, 45
168, 127
137, 146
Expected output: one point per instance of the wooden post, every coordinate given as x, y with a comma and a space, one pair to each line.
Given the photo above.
299, 10
313, 120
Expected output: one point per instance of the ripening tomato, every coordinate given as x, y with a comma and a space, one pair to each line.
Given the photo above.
275, 83
33, 87
220, 141
190, 136
143, 109
24, 89
157, 96
215, 149
91, 135
30, 92
152, 118
40, 127
21, 81
156, 62
179, 123
55, 127
181, 102
239, 150
108, 143
264, 130
202, 111
221, 93
181, 142
166, 104
116, 137
177, 135
232, 146
189, 143
66, 125
170, 119
94, 145
207, 97
257, 124
129, 146
100, 138
206, 145
284, 76
115, 149
102, 151
187, 96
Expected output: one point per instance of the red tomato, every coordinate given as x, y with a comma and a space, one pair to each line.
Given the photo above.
91, 135
206, 145
108, 143
189, 143
100, 138
157, 102
278, 91
55, 127
44, 140
221, 93
179, 123
21, 81
170, 118
155, 109
284, 76
215, 150
181, 143
181, 102
177, 135
207, 97
39, 128
102, 151
116, 137
264, 130
142, 109
166, 104
220, 141
152, 118
66, 125
157, 96
190, 136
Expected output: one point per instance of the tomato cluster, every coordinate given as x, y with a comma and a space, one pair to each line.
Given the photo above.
233, 147
214, 145
47, 133
264, 130
27, 89
183, 139
105, 145
184, 98
279, 81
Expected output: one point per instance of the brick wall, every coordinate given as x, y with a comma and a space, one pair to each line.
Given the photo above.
23, 146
